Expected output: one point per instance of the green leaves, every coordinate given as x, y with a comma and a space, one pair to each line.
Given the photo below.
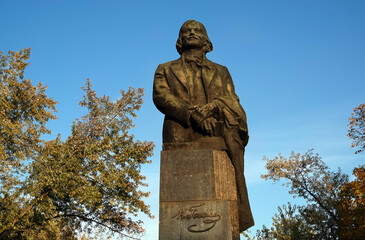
24, 111
287, 224
51, 189
309, 178
335, 207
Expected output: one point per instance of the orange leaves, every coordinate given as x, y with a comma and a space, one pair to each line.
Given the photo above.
352, 207
357, 128
335, 207
309, 178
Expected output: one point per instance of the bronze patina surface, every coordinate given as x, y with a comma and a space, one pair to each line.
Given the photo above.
202, 110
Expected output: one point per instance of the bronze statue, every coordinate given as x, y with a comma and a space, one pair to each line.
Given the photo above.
200, 105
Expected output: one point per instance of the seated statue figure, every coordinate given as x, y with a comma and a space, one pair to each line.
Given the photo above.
201, 107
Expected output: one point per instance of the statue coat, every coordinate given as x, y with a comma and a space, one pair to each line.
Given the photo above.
171, 95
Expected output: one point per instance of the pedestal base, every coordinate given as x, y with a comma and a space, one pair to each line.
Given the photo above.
198, 198
198, 220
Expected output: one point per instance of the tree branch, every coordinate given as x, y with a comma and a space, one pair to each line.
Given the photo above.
37, 200
316, 199
97, 222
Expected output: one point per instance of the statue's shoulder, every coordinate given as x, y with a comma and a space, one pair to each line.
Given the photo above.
168, 64
217, 66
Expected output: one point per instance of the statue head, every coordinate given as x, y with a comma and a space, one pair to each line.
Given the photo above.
193, 35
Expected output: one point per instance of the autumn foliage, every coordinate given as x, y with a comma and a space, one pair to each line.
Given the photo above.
352, 207
335, 207
357, 128
310, 179
88, 182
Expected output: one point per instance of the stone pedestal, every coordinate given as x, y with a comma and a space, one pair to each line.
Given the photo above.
198, 199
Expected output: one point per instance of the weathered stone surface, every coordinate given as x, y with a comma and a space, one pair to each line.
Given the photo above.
198, 220
196, 175
198, 198
215, 143
234, 220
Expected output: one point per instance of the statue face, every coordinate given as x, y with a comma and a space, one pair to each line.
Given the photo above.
193, 36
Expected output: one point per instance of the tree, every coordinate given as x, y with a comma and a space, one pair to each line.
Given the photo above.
54, 189
287, 224
357, 128
352, 207
336, 207
309, 178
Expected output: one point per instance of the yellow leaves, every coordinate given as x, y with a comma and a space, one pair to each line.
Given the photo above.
281, 167
357, 128
352, 207
96, 170
327, 194
24, 108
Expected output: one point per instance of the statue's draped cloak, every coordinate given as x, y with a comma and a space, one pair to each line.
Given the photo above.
172, 96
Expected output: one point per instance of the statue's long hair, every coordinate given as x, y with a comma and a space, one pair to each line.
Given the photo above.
208, 46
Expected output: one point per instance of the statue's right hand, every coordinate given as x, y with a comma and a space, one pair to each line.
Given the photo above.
196, 118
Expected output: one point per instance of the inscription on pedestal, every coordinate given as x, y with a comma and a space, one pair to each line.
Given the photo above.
197, 196
196, 220
193, 213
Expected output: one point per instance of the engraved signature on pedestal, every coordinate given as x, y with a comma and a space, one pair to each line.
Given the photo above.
209, 219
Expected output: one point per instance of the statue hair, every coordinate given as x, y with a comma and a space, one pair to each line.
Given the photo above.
208, 46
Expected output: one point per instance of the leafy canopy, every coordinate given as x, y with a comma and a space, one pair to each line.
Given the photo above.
357, 128
352, 207
56, 189
309, 178
335, 208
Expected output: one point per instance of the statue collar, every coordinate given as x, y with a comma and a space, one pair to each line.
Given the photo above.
198, 58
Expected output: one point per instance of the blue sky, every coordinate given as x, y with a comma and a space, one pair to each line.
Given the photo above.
298, 68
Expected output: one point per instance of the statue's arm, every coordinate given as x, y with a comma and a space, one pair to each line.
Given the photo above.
166, 101
232, 110
230, 87
229, 96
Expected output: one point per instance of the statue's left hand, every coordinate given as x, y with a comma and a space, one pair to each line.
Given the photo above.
209, 125
200, 114
208, 110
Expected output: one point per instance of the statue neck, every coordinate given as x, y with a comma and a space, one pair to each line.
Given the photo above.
193, 55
